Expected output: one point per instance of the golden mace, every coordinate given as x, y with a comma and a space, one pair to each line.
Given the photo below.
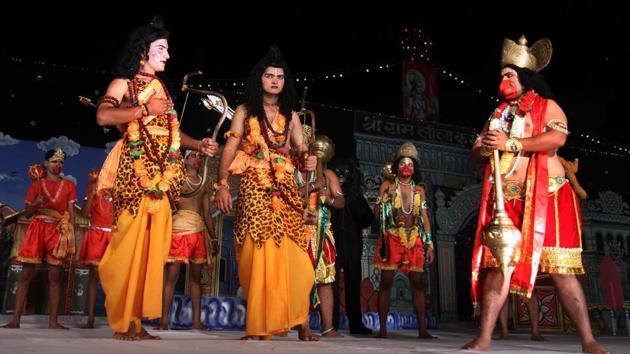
501, 236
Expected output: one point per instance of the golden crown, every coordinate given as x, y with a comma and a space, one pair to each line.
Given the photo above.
408, 149
59, 155
535, 58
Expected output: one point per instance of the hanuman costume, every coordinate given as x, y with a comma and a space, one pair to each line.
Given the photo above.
400, 246
544, 208
50, 232
149, 174
321, 243
99, 233
274, 269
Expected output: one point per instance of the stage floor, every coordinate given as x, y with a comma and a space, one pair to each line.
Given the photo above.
34, 337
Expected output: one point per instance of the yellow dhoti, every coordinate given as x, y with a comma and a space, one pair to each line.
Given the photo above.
277, 281
132, 268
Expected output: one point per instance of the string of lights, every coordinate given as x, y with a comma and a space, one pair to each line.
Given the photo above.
414, 45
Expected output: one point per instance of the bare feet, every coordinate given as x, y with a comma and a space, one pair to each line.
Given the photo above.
144, 335
331, 333
594, 348
382, 333
56, 326
88, 325
125, 336
305, 334
538, 338
504, 336
426, 335
478, 344
250, 338
161, 327
11, 325
201, 327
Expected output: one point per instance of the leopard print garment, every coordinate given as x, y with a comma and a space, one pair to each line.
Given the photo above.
256, 219
127, 192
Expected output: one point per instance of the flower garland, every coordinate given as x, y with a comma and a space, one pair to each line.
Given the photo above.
515, 114
138, 136
262, 147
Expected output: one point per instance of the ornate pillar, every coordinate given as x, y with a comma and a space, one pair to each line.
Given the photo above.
446, 277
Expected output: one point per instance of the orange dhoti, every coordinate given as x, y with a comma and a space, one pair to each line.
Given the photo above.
274, 270
132, 268
188, 243
562, 248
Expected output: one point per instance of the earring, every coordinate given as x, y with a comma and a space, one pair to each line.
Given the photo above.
143, 62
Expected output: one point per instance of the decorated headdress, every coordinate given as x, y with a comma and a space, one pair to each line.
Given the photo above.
534, 58
408, 149
56, 154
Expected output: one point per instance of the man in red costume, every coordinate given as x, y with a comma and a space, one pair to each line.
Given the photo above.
528, 128
100, 210
50, 235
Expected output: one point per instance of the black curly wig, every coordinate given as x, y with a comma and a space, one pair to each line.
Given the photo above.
254, 92
137, 47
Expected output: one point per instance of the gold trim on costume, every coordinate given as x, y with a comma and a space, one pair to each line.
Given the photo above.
54, 262
577, 218
513, 190
416, 269
555, 183
558, 125
32, 260
558, 260
555, 206
386, 266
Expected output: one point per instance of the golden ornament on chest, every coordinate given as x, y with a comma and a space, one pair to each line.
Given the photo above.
501, 236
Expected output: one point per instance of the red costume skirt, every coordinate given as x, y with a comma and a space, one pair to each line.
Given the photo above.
39, 241
562, 248
94, 244
398, 256
188, 248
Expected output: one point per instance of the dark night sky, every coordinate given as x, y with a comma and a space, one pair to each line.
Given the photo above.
588, 71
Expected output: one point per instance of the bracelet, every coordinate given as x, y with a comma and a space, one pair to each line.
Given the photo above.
145, 110
230, 133
222, 184
331, 201
513, 145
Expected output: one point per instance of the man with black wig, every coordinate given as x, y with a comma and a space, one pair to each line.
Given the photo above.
265, 146
145, 172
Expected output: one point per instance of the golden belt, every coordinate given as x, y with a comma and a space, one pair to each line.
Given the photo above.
516, 190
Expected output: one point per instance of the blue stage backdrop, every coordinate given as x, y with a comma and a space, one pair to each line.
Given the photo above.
18, 155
